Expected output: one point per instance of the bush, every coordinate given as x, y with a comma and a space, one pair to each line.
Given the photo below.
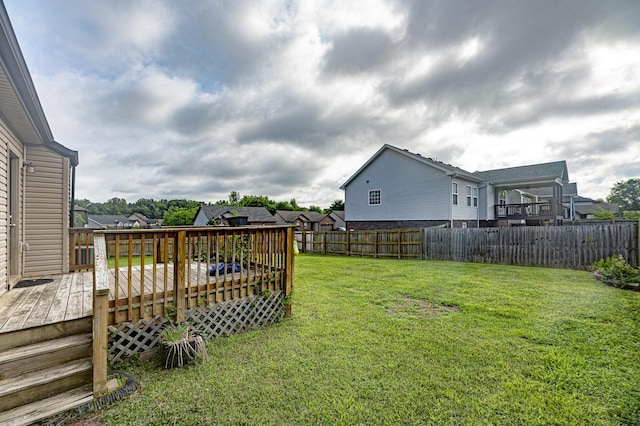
617, 268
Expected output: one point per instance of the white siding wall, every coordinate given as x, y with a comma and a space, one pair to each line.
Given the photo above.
47, 212
409, 189
462, 211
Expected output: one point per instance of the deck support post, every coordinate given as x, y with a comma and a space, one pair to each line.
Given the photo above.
100, 315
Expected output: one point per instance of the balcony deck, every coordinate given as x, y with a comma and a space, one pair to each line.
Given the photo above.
525, 211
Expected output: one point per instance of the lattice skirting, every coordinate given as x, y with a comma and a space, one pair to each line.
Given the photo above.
221, 319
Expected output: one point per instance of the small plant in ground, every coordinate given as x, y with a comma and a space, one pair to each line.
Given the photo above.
181, 346
617, 268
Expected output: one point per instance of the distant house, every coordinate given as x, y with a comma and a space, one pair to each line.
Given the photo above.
110, 221
302, 220
81, 217
587, 211
399, 189
143, 222
333, 221
207, 215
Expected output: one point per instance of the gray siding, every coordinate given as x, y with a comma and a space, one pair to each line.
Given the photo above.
410, 190
47, 212
201, 219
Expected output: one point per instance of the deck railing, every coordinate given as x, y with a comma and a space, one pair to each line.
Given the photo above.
524, 211
185, 268
81, 249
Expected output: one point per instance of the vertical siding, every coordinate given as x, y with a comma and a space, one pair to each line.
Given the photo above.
410, 190
46, 218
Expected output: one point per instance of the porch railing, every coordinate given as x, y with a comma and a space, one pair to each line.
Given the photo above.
524, 211
183, 268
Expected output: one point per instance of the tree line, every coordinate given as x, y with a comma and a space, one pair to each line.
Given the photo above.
180, 209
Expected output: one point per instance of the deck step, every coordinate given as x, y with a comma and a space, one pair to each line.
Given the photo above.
25, 359
33, 335
49, 407
44, 383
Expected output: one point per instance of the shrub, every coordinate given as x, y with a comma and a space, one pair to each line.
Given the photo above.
617, 268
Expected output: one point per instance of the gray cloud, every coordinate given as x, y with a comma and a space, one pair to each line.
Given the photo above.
359, 50
164, 99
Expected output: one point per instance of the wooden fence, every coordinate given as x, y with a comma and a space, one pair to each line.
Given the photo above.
571, 247
396, 243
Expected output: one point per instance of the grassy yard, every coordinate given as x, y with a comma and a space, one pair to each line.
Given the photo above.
414, 342
123, 262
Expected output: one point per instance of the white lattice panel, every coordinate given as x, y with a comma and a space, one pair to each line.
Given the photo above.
221, 319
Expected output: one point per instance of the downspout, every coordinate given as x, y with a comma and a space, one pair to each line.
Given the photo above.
72, 210
451, 176
23, 221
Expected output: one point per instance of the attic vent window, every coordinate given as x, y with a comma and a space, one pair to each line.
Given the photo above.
375, 197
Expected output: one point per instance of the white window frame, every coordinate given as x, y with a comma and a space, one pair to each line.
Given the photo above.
375, 195
475, 196
454, 193
469, 191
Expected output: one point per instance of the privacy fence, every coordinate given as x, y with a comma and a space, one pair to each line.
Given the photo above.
571, 247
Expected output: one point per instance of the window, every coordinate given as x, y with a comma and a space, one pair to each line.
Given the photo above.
374, 197
468, 196
475, 197
455, 193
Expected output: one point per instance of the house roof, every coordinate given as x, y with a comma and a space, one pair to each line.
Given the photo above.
587, 209
445, 168
254, 214
20, 106
108, 219
338, 213
531, 172
289, 216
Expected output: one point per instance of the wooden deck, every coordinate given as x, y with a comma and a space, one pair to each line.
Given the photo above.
70, 296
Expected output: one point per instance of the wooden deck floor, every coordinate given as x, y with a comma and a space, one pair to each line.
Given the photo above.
70, 296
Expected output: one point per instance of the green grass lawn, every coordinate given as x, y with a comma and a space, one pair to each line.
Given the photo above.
414, 342
123, 262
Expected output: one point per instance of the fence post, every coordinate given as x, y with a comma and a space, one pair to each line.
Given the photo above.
100, 315
304, 241
179, 265
289, 269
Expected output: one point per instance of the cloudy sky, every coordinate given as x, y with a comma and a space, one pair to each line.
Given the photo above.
195, 99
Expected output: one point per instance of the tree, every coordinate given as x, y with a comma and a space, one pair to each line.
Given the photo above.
178, 216
632, 215
313, 208
626, 194
602, 214
337, 205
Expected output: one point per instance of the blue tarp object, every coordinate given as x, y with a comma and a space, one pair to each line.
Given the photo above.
231, 267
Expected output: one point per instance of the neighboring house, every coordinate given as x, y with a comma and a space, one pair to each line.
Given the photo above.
143, 221
81, 217
302, 220
333, 221
111, 221
586, 211
206, 215
399, 189
36, 188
